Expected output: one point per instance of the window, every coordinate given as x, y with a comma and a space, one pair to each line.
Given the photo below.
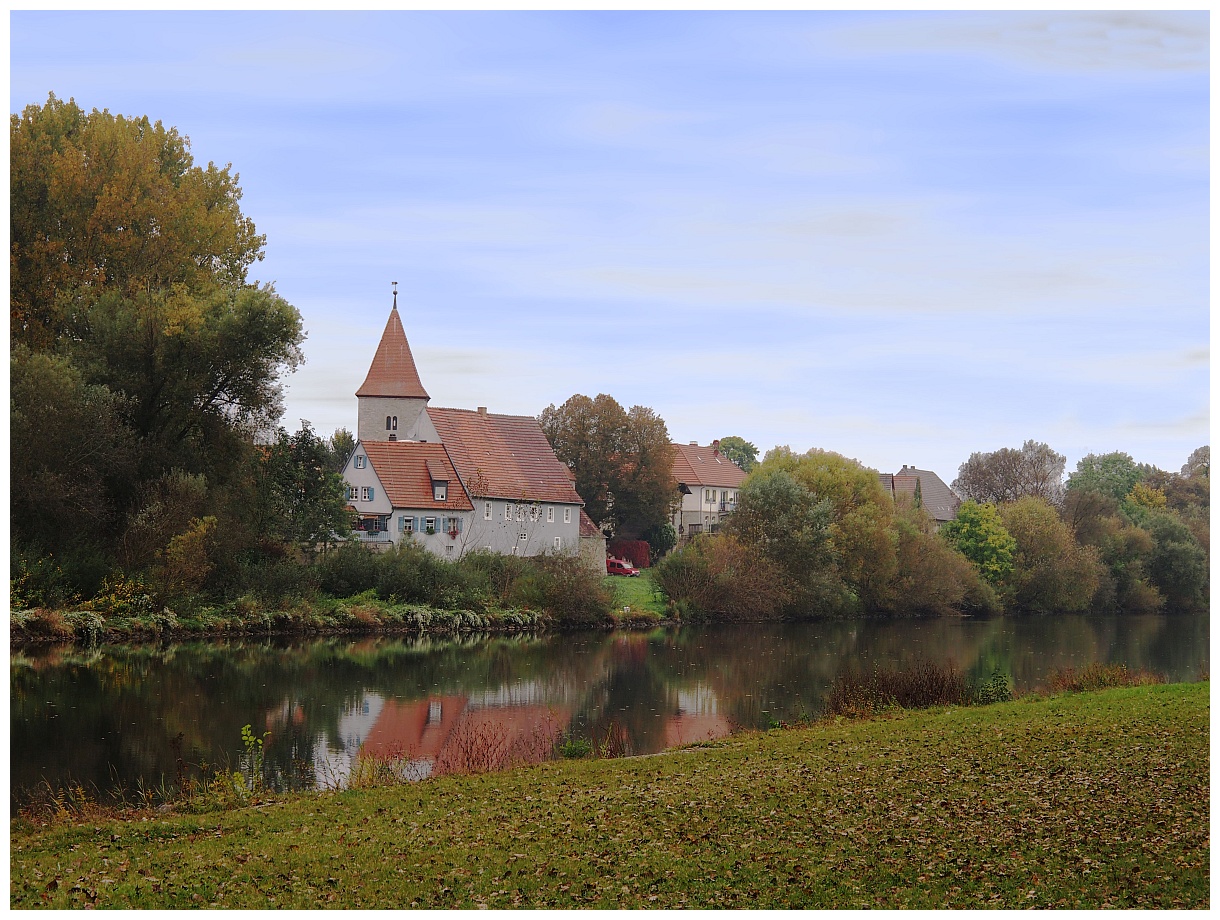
550, 515
430, 525
394, 421
387, 423
523, 536
567, 515
439, 490
406, 524
487, 511
558, 543
521, 512
508, 511
448, 549
360, 461
434, 711
366, 493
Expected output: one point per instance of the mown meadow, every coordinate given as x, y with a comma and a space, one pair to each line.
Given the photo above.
1078, 800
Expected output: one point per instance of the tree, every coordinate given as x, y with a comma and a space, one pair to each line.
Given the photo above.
622, 461
1113, 474
105, 203
1051, 572
979, 535
305, 496
859, 538
1177, 565
1199, 463
785, 521
740, 451
1008, 474
342, 443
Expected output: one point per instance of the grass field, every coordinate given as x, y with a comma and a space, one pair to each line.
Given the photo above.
1080, 800
637, 593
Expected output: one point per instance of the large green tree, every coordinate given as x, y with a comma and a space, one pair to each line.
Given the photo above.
622, 461
1114, 474
979, 535
1051, 572
740, 451
107, 203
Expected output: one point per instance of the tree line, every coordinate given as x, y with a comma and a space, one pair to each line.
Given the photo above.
815, 534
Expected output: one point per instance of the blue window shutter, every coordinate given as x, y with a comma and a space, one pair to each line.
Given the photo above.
444, 526
419, 524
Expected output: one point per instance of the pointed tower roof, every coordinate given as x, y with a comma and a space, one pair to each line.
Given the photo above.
393, 372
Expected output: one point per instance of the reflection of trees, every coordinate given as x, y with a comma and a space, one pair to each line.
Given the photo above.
83, 712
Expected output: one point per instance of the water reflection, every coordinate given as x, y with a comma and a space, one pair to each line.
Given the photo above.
433, 705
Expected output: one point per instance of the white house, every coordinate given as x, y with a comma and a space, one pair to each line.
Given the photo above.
454, 480
708, 482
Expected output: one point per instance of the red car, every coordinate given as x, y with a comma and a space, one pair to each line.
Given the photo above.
619, 567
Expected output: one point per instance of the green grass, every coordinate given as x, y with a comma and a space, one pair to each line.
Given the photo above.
640, 594
1073, 801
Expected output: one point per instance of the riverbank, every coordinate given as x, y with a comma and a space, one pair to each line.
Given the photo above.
1080, 800
636, 605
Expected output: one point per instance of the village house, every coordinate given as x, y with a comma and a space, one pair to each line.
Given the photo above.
453, 480
937, 499
708, 482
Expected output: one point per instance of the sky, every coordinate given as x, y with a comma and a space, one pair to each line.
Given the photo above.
904, 237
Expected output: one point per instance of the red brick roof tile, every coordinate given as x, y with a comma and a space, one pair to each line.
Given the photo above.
503, 456
703, 466
393, 372
406, 470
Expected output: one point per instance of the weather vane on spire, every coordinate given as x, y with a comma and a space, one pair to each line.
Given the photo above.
395, 285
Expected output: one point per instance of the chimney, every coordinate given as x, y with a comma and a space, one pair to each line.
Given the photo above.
482, 410
694, 443
716, 448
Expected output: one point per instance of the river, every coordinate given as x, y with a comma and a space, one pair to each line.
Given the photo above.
137, 716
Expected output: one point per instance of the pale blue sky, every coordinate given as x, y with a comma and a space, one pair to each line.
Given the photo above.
904, 237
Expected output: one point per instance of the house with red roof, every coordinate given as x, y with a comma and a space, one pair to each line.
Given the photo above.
935, 497
454, 480
708, 482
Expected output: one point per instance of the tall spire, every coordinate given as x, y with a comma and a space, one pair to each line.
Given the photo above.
393, 372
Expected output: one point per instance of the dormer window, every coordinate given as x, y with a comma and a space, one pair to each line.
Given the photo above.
440, 491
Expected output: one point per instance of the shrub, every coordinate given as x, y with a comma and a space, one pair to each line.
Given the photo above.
347, 571
995, 690
1098, 676
855, 694
720, 576
566, 588
634, 551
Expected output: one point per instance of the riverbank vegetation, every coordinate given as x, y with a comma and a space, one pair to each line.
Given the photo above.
815, 534
1084, 800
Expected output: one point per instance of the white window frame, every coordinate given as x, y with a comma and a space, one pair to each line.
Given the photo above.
360, 461
487, 511
550, 514
439, 491
567, 515
559, 543
430, 524
366, 493
508, 511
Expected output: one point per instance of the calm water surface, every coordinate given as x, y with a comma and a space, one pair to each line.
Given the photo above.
143, 715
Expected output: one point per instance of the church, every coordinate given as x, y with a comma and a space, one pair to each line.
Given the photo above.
453, 480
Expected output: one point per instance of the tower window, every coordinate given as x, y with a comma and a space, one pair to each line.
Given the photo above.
391, 423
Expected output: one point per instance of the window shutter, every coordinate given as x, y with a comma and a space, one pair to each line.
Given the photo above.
443, 527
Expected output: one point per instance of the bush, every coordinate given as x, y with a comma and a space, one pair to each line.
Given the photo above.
855, 694
718, 576
347, 571
566, 588
1098, 677
634, 551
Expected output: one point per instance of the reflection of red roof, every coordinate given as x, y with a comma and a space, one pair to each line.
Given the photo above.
393, 372
503, 456
407, 469
403, 729
687, 728
704, 466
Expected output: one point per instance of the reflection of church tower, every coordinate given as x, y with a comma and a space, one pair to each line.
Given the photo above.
392, 400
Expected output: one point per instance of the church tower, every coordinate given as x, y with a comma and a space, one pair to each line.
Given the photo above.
392, 400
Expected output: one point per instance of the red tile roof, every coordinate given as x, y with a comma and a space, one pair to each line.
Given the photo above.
587, 527
393, 372
406, 470
704, 466
503, 456
938, 499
